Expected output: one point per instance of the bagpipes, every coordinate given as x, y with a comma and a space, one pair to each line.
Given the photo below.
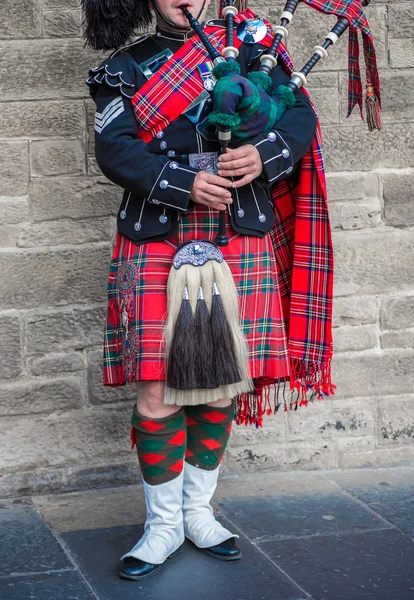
234, 96
206, 353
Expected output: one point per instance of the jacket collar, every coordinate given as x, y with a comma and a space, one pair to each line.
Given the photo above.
174, 35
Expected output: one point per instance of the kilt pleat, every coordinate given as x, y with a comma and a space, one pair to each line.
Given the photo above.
137, 302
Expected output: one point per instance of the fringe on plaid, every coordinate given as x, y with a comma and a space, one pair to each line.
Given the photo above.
309, 380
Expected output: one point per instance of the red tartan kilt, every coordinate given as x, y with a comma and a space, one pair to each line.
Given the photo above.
137, 302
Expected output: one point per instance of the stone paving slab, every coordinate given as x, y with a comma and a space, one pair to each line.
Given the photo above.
93, 509
33, 564
191, 575
390, 492
299, 515
65, 585
26, 543
375, 565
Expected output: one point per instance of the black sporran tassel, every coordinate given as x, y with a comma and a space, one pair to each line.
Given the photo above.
203, 356
181, 365
225, 366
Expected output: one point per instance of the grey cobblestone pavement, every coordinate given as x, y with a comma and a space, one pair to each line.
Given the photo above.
321, 535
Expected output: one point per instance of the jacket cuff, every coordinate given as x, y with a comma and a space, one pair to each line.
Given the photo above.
277, 157
173, 186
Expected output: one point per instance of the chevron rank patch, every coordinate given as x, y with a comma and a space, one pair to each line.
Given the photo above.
111, 112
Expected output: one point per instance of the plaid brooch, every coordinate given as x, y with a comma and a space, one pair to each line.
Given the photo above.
352, 10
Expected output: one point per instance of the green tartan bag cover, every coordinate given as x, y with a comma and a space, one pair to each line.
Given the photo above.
244, 107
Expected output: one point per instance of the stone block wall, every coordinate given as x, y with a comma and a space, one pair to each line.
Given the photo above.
60, 429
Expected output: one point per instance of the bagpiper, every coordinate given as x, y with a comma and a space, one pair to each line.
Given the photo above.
206, 326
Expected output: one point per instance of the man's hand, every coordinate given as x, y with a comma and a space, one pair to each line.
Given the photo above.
210, 189
244, 161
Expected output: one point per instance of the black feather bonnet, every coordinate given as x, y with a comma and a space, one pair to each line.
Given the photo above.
110, 23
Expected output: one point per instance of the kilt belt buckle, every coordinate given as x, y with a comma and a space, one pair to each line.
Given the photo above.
206, 161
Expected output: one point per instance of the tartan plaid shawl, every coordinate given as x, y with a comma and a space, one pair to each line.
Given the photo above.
301, 238
352, 10
177, 79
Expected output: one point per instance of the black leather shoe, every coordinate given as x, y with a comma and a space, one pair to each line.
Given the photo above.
136, 569
227, 550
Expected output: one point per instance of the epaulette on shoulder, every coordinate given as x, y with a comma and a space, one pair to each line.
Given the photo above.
111, 71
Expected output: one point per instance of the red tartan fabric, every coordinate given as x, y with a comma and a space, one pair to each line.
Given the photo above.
137, 302
152, 104
353, 11
303, 251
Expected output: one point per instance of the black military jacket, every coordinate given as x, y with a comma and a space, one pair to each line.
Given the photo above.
157, 177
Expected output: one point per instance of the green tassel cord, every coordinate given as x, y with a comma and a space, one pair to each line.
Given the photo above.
226, 68
221, 119
286, 95
262, 80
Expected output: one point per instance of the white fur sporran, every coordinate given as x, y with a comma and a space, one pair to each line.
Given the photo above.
203, 338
